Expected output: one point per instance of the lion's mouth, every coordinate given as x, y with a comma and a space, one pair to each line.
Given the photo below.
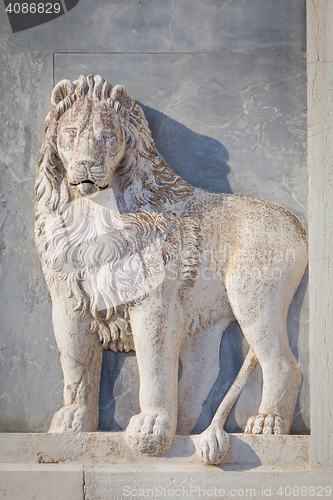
87, 187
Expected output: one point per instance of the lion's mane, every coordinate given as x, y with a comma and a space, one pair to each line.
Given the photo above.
130, 246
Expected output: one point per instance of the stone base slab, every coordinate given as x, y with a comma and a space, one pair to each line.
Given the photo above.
103, 448
121, 482
101, 466
41, 482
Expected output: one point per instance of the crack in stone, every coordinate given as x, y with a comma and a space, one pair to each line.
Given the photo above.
84, 484
64, 5
173, 25
140, 7
171, 96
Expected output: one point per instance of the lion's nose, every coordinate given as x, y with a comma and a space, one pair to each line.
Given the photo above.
86, 163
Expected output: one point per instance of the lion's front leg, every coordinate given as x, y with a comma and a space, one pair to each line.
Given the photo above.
81, 359
157, 328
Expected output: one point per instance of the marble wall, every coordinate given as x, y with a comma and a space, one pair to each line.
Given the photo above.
223, 85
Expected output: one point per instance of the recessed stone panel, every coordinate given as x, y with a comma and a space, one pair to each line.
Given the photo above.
233, 123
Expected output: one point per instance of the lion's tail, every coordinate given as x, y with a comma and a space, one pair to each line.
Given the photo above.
236, 388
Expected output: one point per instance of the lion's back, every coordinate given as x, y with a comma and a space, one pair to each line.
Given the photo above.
247, 227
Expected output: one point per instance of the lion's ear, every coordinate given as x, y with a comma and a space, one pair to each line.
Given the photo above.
120, 94
62, 90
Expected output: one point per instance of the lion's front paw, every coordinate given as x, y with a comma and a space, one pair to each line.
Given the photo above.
265, 424
74, 418
150, 433
212, 444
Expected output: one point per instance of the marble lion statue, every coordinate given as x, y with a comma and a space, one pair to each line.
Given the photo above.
136, 258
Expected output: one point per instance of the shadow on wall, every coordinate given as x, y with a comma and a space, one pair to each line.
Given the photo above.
200, 160
299, 425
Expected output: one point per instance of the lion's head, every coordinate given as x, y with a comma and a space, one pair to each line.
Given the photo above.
96, 136
91, 143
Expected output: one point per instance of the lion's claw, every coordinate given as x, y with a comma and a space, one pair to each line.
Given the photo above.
73, 418
265, 424
213, 444
150, 433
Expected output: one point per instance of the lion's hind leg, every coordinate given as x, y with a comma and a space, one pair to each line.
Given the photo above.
260, 307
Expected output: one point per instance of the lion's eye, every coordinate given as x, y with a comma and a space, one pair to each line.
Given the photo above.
107, 137
72, 132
